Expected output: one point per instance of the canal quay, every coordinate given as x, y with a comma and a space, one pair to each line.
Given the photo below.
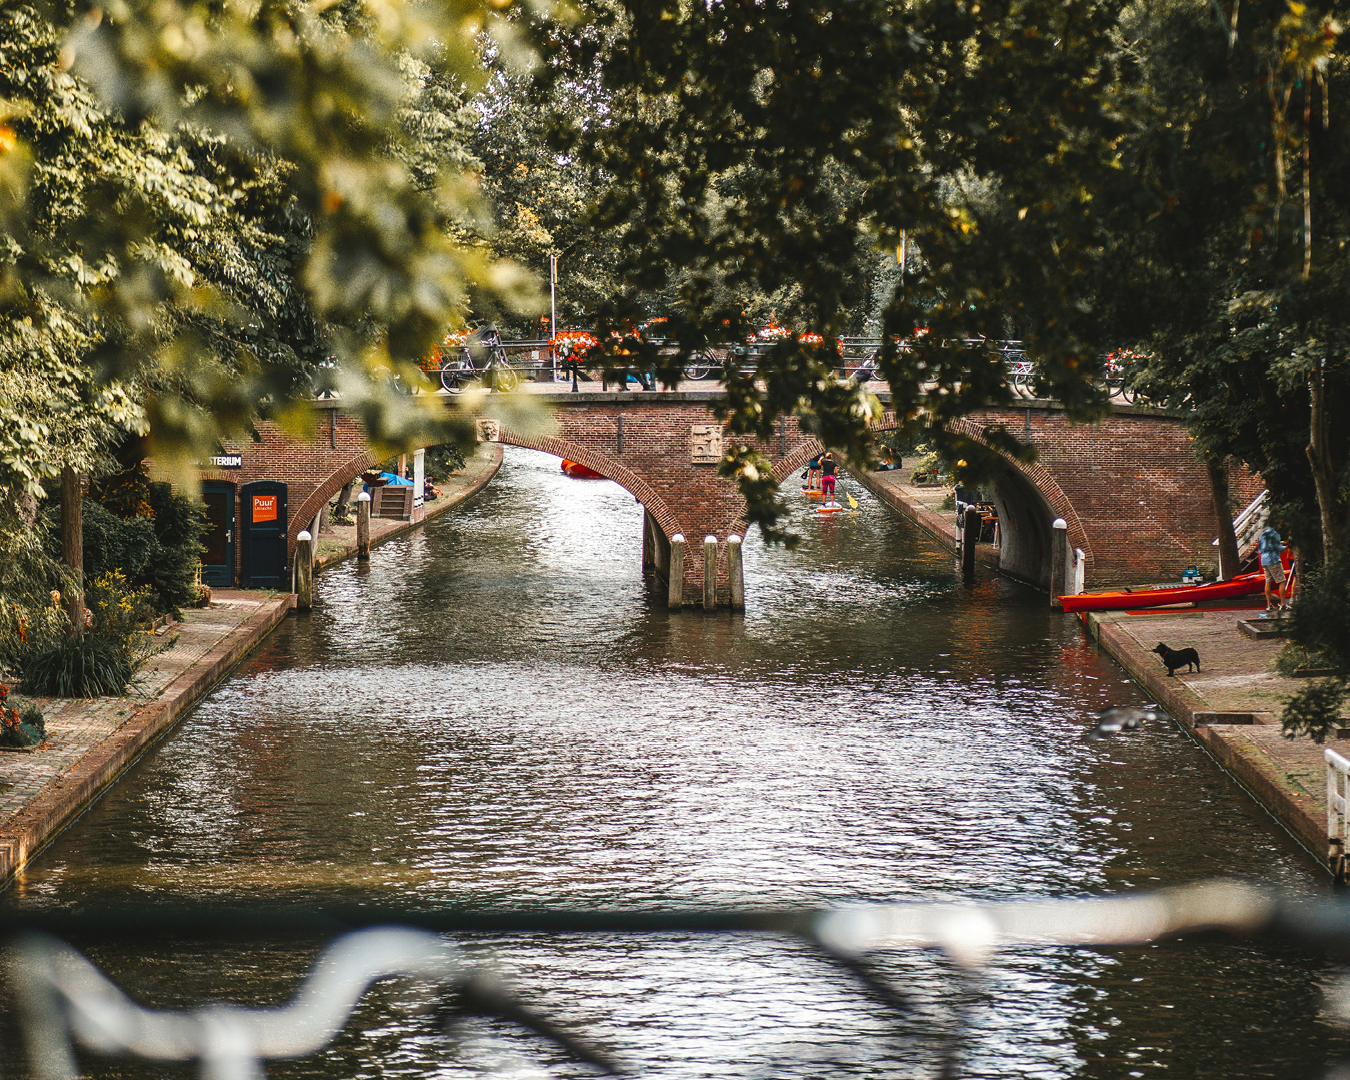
499, 711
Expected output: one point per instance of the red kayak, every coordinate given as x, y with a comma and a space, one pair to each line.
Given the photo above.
580, 472
1242, 585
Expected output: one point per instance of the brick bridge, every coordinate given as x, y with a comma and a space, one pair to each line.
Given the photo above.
1136, 501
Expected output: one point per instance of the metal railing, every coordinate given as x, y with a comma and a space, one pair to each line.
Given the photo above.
68, 1005
1338, 811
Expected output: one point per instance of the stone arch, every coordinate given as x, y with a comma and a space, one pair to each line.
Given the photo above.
349, 470
1029, 498
1042, 480
607, 467
783, 468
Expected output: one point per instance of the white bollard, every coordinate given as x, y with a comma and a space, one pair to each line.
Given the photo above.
363, 527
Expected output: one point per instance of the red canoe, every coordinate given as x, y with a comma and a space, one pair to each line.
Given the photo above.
572, 468
1242, 585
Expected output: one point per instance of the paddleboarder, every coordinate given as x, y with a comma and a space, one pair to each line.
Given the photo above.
828, 468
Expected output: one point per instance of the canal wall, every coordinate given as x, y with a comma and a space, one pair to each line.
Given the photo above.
920, 505
1230, 707
90, 743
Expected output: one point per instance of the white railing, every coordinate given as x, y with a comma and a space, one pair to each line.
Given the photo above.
1248, 524
1338, 811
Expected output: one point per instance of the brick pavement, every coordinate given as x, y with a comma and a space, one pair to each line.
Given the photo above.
90, 742
1231, 706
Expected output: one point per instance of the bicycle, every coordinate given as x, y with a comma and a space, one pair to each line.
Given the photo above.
463, 368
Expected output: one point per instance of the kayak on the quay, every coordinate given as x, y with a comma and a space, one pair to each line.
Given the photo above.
1242, 585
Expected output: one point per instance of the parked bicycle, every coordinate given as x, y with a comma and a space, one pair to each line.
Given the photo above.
478, 358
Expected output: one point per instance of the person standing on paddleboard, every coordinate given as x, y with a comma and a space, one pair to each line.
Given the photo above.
828, 467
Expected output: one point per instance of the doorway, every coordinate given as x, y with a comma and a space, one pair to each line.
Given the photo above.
263, 535
218, 558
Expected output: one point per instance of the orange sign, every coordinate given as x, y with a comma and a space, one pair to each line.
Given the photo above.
264, 508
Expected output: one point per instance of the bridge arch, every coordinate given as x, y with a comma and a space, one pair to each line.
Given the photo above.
352, 467
1028, 500
606, 466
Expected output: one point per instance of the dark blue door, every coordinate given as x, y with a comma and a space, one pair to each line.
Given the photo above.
218, 558
262, 535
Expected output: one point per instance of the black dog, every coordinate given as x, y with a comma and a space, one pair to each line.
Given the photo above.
1174, 658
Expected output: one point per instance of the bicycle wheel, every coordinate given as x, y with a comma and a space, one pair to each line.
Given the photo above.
456, 375
504, 378
699, 369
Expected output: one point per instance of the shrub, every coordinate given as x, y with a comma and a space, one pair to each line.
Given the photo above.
21, 722
87, 667
1319, 636
160, 549
107, 657
444, 459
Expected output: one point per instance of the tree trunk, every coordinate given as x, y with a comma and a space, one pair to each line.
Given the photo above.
1223, 513
72, 548
1324, 476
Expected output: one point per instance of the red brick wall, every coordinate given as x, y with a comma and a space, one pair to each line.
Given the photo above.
313, 469
1135, 499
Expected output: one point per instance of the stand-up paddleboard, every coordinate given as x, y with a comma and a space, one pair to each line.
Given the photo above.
829, 508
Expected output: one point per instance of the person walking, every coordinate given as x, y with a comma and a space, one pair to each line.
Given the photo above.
1270, 545
828, 468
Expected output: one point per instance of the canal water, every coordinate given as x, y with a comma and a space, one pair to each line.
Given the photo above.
499, 712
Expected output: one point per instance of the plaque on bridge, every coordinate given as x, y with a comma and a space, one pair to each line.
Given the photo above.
489, 430
705, 444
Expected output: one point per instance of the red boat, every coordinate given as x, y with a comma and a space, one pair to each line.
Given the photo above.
579, 471
1242, 585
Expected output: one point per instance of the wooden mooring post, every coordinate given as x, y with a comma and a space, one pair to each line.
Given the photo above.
363, 527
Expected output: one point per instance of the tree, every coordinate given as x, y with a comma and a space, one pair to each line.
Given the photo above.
749, 143
237, 199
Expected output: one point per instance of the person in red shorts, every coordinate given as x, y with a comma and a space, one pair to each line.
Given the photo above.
828, 468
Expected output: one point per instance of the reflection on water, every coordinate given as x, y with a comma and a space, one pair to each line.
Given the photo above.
500, 712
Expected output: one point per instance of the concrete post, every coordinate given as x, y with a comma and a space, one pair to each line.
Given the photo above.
710, 573
304, 571
970, 537
675, 594
363, 527
736, 572
1059, 552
